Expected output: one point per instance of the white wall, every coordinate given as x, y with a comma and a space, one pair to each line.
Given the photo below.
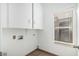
46, 37
18, 47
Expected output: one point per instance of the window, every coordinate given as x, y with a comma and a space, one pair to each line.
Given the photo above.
63, 28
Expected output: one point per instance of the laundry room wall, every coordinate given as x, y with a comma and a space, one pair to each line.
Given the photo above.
16, 47
46, 37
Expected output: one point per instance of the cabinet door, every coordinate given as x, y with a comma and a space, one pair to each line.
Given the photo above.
37, 16
20, 15
3, 15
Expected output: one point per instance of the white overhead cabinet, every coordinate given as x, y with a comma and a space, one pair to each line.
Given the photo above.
37, 16
3, 13
22, 15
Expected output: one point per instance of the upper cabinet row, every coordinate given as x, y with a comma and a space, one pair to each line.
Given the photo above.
21, 15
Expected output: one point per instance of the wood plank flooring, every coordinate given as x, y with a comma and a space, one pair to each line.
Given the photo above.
39, 52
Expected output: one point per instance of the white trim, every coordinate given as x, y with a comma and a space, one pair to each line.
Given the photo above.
65, 43
63, 27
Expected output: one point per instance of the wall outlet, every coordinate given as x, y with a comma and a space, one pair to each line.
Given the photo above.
34, 34
14, 37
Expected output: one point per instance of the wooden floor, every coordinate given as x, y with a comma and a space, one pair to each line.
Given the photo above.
39, 52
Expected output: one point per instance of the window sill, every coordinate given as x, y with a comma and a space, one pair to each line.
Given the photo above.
64, 43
